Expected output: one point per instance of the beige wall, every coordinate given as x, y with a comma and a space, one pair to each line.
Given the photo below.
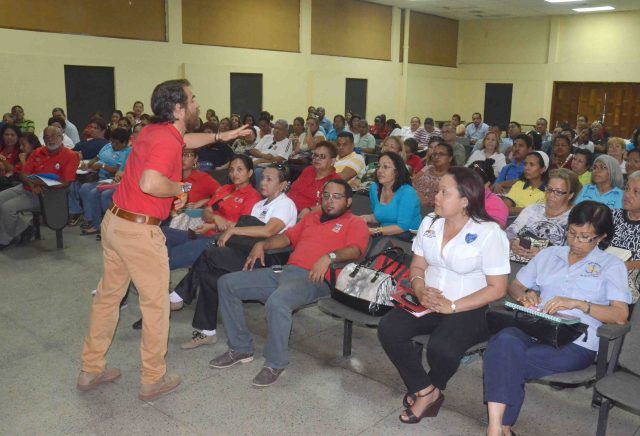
585, 48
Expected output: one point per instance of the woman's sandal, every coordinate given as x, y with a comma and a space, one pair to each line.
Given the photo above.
430, 412
405, 400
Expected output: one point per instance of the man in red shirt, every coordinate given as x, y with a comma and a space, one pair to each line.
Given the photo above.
52, 159
133, 244
319, 239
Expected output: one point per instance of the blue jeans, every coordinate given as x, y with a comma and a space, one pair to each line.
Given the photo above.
513, 357
281, 292
75, 207
90, 202
182, 250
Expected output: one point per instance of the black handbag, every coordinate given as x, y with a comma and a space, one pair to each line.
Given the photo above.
552, 333
245, 243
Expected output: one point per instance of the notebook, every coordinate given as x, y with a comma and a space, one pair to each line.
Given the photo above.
414, 309
537, 311
621, 253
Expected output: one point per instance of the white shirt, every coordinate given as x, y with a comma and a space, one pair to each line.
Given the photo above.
281, 207
498, 164
305, 147
280, 148
460, 269
588, 146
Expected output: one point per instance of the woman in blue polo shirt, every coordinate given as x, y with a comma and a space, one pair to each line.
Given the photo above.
606, 183
578, 279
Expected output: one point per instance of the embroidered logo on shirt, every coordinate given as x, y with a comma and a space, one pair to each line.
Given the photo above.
429, 233
592, 269
470, 237
57, 166
337, 228
239, 200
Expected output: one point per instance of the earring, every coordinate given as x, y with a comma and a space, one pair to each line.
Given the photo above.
195, 166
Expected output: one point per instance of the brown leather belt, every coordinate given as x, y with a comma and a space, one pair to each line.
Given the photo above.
134, 217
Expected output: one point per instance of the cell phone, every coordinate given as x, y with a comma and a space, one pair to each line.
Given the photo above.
276, 268
525, 243
411, 299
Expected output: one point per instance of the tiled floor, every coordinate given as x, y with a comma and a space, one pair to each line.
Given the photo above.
46, 296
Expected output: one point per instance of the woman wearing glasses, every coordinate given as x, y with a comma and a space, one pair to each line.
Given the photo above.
541, 225
394, 202
579, 280
607, 183
427, 180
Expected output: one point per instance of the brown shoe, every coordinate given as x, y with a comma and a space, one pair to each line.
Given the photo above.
198, 339
176, 306
150, 392
88, 381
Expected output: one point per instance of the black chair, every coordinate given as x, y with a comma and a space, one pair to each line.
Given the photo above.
54, 208
360, 204
221, 176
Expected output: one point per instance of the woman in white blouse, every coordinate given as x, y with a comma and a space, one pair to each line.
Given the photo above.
490, 149
460, 265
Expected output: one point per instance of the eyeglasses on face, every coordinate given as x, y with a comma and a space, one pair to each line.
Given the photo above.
319, 156
557, 192
581, 238
439, 155
334, 196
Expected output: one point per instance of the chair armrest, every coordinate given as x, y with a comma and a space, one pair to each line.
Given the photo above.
613, 331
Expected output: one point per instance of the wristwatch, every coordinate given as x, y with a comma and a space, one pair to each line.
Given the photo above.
186, 187
453, 307
332, 256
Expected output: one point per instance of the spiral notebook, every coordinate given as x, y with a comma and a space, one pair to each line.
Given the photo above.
535, 311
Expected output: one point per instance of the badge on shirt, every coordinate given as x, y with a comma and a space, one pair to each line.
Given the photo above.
239, 200
337, 228
470, 237
57, 166
429, 233
593, 269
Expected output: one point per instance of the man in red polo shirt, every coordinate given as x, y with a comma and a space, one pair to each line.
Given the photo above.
54, 158
133, 244
319, 239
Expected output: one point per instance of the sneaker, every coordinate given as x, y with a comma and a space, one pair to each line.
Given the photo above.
230, 358
168, 383
267, 376
176, 306
74, 219
197, 339
137, 325
88, 381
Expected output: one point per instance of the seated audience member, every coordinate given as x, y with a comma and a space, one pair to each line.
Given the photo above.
223, 210
394, 202
512, 172
489, 149
567, 284
418, 132
138, 111
349, 164
583, 140
545, 222
513, 131
305, 191
52, 159
216, 154
379, 129
426, 182
607, 183
460, 265
455, 120
70, 129
339, 126
548, 145
599, 137
264, 126
542, 129
493, 204
124, 123
634, 141
273, 148
430, 129
536, 139
29, 142
25, 125
297, 129
459, 152
616, 148
107, 163
475, 130
582, 122
580, 164
562, 156
366, 143
626, 233
311, 136
276, 211
116, 115
235, 121
633, 161
319, 239
92, 146
323, 121
368, 176
531, 186
247, 119
394, 128
9, 149
502, 146
242, 145
353, 124
413, 160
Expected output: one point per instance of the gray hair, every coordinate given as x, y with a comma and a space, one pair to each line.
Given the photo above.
633, 176
615, 173
282, 123
56, 128
363, 121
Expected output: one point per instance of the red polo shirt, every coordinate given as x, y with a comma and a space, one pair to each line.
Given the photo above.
312, 239
64, 163
202, 186
306, 190
230, 203
158, 147
11, 156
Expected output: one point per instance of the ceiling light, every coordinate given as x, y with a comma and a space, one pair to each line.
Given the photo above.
562, 1
595, 9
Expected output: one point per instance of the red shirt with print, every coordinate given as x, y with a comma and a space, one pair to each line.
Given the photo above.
230, 203
63, 163
202, 186
158, 147
312, 239
306, 191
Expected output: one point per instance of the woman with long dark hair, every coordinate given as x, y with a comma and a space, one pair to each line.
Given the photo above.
460, 265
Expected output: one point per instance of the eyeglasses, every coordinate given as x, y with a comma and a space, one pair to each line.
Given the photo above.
335, 196
581, 238
319, 156
557, 192
386, 167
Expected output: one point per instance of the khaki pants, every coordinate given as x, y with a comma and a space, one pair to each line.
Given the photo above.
131, 252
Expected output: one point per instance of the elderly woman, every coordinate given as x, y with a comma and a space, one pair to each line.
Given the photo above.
540, 225
579, 280
427, 180
310, 137
530, 188
395, 204
581, 165
632, 164
616, 148
489, 149
460, 265
607, 183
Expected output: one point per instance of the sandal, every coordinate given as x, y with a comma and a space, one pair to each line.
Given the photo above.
89, 231
430, 411
407, 397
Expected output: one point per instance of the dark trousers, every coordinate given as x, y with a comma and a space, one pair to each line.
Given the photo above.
513, 357
451, 336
